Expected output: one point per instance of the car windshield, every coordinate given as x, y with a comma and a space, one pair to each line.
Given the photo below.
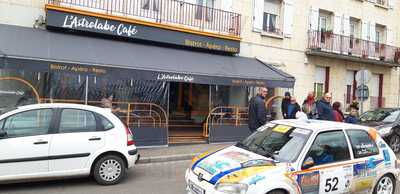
383, 115
280, 142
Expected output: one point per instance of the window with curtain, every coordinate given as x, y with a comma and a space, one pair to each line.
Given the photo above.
272, 10
151, 5
205, 9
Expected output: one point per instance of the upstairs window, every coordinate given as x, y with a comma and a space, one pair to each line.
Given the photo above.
151, 5
205, 9
272, 9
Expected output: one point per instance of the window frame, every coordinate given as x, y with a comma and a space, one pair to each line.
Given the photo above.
351, 144
313, 141
267, 24
99, 125
51, 130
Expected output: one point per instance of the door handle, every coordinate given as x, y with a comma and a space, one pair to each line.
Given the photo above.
95, 139
41, 142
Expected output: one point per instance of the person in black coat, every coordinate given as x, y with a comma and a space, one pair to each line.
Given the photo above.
324, 108
257, 110
285, 104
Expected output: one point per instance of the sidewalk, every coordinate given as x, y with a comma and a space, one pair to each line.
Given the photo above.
175, 152
181, 152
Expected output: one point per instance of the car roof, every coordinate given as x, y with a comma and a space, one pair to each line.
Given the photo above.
385, 109
60, 105
318, 125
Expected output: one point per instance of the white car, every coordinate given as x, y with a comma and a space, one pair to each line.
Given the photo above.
59, 140
298, 157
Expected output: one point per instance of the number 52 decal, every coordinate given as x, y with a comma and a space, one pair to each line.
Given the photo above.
331, 184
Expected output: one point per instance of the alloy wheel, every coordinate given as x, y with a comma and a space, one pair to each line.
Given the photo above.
385, 186
395, 143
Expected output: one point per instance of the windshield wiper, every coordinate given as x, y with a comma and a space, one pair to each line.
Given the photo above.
266, 152
241, 145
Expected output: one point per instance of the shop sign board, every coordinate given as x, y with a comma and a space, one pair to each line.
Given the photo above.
69, 21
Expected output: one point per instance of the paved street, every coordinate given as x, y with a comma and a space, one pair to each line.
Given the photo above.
155, 178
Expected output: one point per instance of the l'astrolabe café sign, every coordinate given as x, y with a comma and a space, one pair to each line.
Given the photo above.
72, 21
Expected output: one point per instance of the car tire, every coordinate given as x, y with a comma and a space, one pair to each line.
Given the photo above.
394, 143
386, 183
276, 192
109, 170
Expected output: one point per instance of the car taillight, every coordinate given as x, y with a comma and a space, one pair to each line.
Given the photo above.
129, 136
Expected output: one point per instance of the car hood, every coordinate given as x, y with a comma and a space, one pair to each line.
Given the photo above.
233, 164
376, 124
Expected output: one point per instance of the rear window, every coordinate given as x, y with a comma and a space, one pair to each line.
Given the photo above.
362, 144
107, 125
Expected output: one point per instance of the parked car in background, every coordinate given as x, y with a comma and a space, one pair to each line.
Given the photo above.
60, 140
387, 122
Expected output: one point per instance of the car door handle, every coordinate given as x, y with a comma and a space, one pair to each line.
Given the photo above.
41, 142
95, 139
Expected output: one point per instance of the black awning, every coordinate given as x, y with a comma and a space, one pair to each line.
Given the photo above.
137, 60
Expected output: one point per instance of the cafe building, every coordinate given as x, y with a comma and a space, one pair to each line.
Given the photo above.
169, 69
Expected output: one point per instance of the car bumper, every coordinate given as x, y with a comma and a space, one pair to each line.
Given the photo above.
191, 179
133, 156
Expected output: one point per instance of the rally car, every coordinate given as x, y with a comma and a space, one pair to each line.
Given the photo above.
298, 157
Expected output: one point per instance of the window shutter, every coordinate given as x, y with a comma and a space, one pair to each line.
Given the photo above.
372, 32
346, 33
337, 24
314, 18
389, 36
372, 38
320, 74
227, 5
346, 25
288, 18
391, 3
364, 31
258, 15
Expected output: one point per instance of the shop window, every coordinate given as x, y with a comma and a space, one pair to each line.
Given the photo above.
362, 144
66, 87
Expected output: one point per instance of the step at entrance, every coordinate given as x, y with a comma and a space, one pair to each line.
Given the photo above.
187, 140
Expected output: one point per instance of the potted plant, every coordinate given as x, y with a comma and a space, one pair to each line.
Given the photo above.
397, 56
328, 33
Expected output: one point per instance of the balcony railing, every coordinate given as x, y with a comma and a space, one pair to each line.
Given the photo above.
353, 47
170, 12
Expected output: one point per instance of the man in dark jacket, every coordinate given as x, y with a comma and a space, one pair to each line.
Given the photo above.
285, 104
324, 108
257, 110
293, 108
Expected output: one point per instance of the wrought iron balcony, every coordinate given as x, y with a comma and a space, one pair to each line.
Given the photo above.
170, 12
351, 48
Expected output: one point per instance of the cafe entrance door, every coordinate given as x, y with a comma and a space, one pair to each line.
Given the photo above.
188, 111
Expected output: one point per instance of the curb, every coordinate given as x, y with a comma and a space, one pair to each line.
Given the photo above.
168, 158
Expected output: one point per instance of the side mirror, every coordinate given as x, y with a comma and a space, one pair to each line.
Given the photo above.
3, 134
308, 163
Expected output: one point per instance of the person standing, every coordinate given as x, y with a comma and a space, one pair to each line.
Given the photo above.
293, 108
324, 108
285, 104
309, 106
337, 112
353, 117
257, 110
